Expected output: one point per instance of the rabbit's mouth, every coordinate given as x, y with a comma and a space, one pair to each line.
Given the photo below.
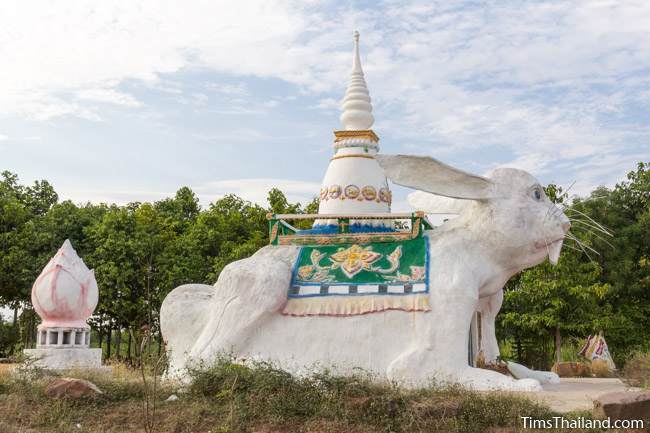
554, 248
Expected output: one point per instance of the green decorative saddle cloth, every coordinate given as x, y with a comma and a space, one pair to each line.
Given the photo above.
350, 279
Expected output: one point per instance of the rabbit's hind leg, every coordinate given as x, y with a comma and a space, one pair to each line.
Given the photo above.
249, 292
183, 315
440, 350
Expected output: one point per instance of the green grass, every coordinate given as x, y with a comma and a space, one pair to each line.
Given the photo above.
264, 392
229, 397
570, 350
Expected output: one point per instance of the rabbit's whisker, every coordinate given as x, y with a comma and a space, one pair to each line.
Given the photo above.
592, 233
552, 207
592, 198
553, 210
581, 248
569, 188
556, 206
566, 245
561, 207
590, 219
548, 251
548, 211
558, 211
579, 242
588, 224
586, 253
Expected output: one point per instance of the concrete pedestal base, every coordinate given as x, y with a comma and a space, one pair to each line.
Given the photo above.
60, 359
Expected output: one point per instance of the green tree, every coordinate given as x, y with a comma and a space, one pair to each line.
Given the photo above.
180, 262
551, 302
278, 203
625, 257
21, 210
14, 215
115, 263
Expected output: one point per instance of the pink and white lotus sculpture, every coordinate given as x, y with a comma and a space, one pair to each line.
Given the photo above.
65, 294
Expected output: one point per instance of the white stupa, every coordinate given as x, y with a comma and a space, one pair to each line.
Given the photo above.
354, 182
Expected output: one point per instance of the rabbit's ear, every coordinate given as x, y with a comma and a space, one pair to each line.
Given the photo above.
430, 175
436, 204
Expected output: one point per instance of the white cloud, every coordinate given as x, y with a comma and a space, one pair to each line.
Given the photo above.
3, 137
256, 189
120, 197
82, 47
548, 82
238, 89
252, 189
44, 107
236, 135
271, 103
327, 104
110, 96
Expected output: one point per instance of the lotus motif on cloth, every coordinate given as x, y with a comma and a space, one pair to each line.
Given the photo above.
354, 259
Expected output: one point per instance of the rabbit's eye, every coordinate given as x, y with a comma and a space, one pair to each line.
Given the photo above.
537, 194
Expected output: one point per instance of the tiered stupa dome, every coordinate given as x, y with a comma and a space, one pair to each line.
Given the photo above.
354, 182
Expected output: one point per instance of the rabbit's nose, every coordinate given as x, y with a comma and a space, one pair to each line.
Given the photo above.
566, 226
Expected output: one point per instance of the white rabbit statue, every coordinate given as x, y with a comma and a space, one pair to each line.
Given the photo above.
507, 224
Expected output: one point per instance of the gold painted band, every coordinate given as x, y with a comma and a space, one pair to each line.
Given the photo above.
367, 133
354, 155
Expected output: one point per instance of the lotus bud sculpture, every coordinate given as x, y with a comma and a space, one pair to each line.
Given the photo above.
65, 294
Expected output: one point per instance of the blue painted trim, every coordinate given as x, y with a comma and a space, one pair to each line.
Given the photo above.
426, 262
318, 295
319, 230
307, 283
352, 228
294, 271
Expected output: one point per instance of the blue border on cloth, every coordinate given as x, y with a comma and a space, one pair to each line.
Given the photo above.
353, 228
315, 295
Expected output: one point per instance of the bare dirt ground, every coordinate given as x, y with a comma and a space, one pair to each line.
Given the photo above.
6, 367
577, 393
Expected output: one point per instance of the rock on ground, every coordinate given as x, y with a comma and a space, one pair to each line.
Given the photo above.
172, 397
623, 405
71, 388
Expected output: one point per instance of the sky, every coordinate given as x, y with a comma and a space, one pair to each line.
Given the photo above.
129, 101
